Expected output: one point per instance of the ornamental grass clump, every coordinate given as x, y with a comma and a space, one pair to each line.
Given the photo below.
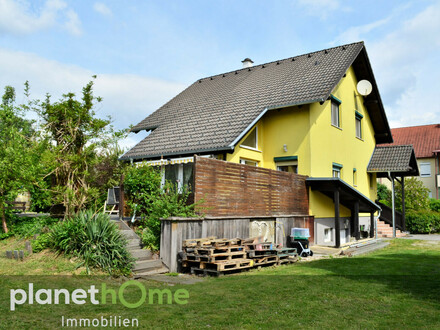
95, 240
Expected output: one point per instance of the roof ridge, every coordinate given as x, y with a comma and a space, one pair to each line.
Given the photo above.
395, 145
438, 124
281, 60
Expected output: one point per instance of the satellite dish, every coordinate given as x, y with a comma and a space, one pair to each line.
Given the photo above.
364, 87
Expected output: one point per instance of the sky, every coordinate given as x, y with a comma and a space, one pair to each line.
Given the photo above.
146, 52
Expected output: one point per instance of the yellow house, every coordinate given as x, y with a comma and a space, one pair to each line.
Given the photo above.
307, 114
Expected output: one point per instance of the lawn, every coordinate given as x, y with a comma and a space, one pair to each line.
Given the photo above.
397, 287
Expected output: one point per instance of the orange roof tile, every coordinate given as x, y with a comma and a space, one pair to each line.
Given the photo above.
425, 139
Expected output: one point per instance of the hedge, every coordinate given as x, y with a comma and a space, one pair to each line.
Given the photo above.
423, 222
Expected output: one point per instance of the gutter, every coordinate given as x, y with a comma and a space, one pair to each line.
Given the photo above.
177, 153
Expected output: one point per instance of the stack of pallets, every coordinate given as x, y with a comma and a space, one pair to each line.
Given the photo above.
214, 256
219, 256
268, 253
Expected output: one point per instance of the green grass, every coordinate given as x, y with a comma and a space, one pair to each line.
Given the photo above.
397, 287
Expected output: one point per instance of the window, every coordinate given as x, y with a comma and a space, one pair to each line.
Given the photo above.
336, 172
248, 162
335, 114
288, 168
425, 169
358, 124
251, 140
354, 177
287, 164
180, 174
328, 233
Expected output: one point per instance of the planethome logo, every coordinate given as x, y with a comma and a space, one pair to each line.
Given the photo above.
97, 296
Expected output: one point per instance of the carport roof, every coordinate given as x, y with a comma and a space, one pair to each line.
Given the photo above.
347, 194
395, 160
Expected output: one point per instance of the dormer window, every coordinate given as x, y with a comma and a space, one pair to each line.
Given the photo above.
251, 141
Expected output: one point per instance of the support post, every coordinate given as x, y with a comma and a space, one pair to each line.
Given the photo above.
403, 204
121, 198
337, 223
372, 224
393, 206
356, 221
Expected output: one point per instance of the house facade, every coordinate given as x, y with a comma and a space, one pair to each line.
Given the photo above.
302, 115
425, 140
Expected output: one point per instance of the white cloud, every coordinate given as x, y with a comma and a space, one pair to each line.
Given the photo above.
73, 24
404, 60
127, 98
356, 33
21, 18
102, 9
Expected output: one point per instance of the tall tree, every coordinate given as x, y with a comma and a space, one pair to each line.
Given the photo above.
79, 141
16, 166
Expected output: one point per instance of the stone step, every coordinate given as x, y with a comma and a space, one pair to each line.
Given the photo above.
129, 234
141, 254
147, 265
162, 270
133, 243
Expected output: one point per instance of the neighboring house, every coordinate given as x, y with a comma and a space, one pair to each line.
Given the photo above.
426, 143
301, 114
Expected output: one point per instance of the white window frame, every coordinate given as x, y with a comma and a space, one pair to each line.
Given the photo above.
423, 175
328, 234
336, 105
244, 160
256, 140
293, 163
179, 178
336, 169
358, 127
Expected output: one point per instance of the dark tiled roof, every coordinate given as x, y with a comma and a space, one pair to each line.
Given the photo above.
212, 113
396, 159
425, 139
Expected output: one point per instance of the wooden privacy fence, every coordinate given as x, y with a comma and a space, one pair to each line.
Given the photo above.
275, 229
230, 189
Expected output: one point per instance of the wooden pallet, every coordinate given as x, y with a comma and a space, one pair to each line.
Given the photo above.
213, 251
287, 259
267, 260
228, 265
269, 252
215, 257
198, 241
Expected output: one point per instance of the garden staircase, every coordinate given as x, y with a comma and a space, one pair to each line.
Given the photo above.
386, 231
144, 263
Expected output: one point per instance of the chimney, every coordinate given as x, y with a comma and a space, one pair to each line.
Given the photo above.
247, 62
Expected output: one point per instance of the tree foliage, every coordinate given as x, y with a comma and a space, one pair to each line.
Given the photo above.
17, 168
416, 195
383, 193
82, 153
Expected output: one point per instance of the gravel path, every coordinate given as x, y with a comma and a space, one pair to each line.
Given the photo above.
424, 237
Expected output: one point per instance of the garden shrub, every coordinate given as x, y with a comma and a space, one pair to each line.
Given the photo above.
171, 202
152, 202
42, 242
95, 240
434, 204
422, 222
28, 227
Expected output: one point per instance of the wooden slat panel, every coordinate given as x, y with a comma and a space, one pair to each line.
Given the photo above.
239, 190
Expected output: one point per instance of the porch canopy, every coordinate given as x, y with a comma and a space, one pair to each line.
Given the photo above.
393, 162
343, 194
